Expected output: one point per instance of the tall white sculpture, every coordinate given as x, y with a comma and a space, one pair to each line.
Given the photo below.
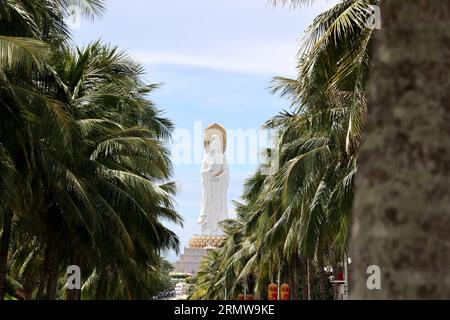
215, 180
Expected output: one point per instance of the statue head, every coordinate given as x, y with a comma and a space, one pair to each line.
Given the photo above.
215, 129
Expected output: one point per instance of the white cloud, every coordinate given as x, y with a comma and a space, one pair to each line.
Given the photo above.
263, 57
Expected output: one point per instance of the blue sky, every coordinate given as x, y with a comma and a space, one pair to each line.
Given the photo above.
215, 59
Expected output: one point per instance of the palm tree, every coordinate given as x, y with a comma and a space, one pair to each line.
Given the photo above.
89, 160
113, 190
25, 24
401, 213
321, 137
298, 220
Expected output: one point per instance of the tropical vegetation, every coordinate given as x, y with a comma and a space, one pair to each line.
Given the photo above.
293, 224
85, 172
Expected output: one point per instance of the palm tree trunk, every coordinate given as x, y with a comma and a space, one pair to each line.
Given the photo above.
401, 211
49, 278
4, 247
53, 266
310, 273
335, 286
293, 278
52, 284
322, 278
304, 279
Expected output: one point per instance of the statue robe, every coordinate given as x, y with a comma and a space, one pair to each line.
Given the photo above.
215, 180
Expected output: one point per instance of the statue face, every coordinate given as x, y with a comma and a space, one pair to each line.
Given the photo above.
215, 145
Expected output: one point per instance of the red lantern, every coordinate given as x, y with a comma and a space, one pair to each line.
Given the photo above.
285, 292
273, 291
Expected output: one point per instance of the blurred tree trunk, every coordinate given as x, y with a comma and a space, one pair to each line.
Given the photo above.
402, 206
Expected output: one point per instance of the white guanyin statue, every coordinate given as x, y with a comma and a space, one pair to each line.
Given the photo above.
215, 180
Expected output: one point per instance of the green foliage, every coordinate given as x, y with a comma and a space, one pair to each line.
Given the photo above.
166, 283
84, 161
301, 215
